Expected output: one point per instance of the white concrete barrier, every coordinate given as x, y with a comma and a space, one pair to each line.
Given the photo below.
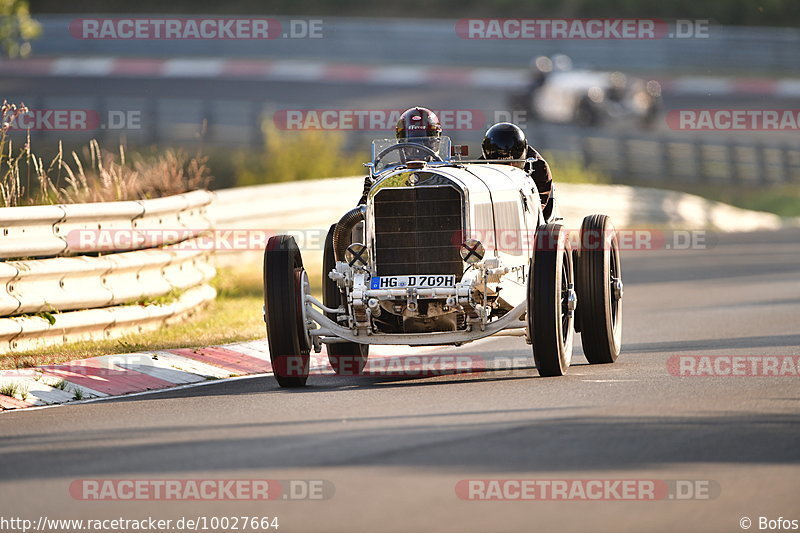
319, 203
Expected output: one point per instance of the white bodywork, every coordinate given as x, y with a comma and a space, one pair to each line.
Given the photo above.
501, 209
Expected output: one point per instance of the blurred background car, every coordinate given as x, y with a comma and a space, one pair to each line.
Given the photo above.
559, 94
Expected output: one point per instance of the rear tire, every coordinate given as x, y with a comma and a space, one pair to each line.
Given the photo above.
550, 285
346, 358
599, 287
289, 349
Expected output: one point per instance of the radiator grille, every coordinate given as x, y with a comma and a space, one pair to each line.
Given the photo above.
418, 231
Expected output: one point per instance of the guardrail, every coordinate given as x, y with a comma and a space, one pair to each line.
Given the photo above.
50, 231
32, 332
101, 287
71, 283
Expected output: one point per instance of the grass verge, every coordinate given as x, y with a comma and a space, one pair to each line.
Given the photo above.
782, 200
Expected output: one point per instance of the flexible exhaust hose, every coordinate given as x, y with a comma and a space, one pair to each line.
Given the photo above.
344, 228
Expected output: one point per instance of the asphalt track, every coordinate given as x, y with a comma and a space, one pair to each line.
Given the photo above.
395, 448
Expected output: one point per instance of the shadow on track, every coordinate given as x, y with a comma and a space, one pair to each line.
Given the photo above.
499, 441
761, 341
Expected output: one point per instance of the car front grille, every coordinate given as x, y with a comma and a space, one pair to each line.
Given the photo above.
418, 231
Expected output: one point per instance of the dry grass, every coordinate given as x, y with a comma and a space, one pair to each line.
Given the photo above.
110, 177
94, 175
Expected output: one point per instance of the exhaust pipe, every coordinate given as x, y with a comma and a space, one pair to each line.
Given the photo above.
344, 229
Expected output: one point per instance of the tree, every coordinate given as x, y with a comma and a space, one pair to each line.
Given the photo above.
17, 28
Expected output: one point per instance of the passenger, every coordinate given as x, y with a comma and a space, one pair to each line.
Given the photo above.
505, 140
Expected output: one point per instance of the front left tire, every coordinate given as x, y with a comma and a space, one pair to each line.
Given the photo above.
284, 279
551, 301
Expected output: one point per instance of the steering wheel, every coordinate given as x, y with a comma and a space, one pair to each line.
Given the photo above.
401, 146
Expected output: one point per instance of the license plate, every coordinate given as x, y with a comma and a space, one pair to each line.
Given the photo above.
419, 281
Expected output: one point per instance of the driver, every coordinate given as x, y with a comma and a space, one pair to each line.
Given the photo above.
505, 140
417, 125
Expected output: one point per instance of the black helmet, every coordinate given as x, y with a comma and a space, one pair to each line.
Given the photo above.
418, 122
504, 140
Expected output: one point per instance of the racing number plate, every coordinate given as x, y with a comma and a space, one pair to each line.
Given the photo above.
419, 281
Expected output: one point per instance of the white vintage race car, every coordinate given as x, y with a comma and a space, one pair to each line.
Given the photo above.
444, 252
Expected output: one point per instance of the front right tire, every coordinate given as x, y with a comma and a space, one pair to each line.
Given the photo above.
600, 289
